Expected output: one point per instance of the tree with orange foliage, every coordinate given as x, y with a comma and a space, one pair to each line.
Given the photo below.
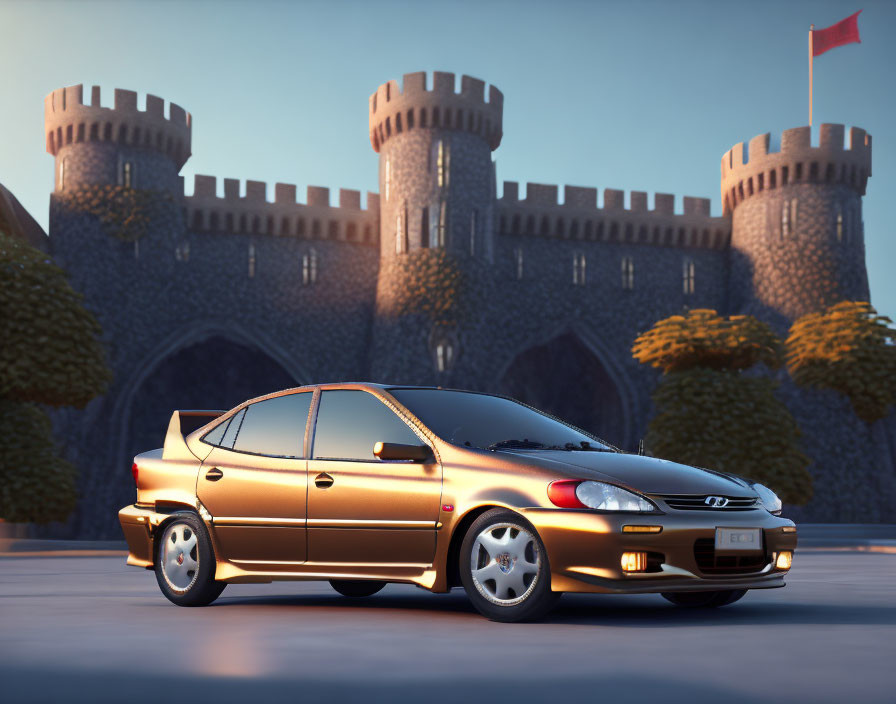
848, 348
710, 413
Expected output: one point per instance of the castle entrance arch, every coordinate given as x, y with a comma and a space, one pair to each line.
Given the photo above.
565, 378
216, 373
204, 371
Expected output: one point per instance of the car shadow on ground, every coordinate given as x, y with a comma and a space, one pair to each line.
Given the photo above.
646, 611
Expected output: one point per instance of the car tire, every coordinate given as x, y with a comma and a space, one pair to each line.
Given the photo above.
704, 600
356, 587
504, 568
185, 562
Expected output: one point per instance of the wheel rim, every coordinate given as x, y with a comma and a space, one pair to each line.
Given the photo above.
180, 556
505, 564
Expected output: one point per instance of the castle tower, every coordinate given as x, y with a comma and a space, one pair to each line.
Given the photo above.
122, 145
797, 240
436, 180
437, 203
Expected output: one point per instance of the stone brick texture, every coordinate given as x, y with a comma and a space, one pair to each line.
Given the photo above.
783, 273
244, 281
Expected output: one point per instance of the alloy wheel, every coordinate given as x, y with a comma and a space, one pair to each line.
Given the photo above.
179, 556
505, 563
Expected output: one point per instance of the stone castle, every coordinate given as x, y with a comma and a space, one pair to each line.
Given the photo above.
438, 281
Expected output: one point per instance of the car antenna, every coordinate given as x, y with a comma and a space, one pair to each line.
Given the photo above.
641, 446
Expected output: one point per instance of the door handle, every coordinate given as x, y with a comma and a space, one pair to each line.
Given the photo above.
323, 480
214, 474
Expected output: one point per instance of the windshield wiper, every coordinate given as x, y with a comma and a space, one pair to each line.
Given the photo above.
517, 445
583, 446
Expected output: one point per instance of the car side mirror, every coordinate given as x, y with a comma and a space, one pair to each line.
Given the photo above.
397, 451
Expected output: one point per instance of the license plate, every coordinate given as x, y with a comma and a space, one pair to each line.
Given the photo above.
738, 540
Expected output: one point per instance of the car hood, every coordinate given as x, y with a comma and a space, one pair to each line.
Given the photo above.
647, 475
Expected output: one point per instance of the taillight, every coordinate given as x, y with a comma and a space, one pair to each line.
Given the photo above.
135, 470
562, 493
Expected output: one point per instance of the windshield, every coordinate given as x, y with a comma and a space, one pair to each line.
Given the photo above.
492, 423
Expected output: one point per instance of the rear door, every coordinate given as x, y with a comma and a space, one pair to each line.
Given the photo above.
363, 511
254, 483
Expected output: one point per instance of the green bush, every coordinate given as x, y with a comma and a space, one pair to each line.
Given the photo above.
50, 353
49, 343
709, 413
730, 422
36, 485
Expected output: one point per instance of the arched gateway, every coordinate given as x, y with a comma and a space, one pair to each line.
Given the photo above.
564, 377
208, 369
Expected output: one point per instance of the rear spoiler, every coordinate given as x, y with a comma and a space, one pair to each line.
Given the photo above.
183, 423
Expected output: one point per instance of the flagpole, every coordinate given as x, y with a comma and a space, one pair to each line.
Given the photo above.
811, 29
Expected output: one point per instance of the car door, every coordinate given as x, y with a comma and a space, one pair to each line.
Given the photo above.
254, 483
362, 510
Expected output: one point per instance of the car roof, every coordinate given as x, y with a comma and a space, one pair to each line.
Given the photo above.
349, 385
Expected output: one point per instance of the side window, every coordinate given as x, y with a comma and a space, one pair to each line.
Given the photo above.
233, 429
216, 434
275, 427
350, 423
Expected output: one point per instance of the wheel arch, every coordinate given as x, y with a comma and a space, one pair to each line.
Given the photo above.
459, 532
173, 510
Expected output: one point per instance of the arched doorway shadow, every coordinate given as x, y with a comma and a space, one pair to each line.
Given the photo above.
209, 366
565, 377
216, 373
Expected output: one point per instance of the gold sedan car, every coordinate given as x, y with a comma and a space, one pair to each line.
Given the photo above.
364, 484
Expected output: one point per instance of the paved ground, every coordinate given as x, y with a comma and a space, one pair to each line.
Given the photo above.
91, 629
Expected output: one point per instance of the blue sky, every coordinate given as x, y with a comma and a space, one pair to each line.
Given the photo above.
631, 95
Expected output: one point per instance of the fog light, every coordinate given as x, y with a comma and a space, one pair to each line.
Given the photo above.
634, 561
785, 559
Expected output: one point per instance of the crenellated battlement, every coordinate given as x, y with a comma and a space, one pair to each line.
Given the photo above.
69, 120
754, 169
253, 213
579, 217
394, 110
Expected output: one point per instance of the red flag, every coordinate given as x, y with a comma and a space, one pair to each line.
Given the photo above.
844, 32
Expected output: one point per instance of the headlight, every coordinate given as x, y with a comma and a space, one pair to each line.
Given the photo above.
573, 493
769, 499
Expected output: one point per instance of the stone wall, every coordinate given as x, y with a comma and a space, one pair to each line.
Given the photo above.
175, 288
103, 163
282, 292
781, 270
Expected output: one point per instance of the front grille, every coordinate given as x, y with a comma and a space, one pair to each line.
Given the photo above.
710, 563
697, 502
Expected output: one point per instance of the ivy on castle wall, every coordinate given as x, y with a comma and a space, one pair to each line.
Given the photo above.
848, 348
432, 286
50, 354
710, 413
126, 213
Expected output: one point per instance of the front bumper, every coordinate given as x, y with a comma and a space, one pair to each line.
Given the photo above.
584, 550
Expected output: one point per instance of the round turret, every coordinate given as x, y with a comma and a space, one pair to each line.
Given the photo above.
437, 212
797, 237
436, 174
122, 145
